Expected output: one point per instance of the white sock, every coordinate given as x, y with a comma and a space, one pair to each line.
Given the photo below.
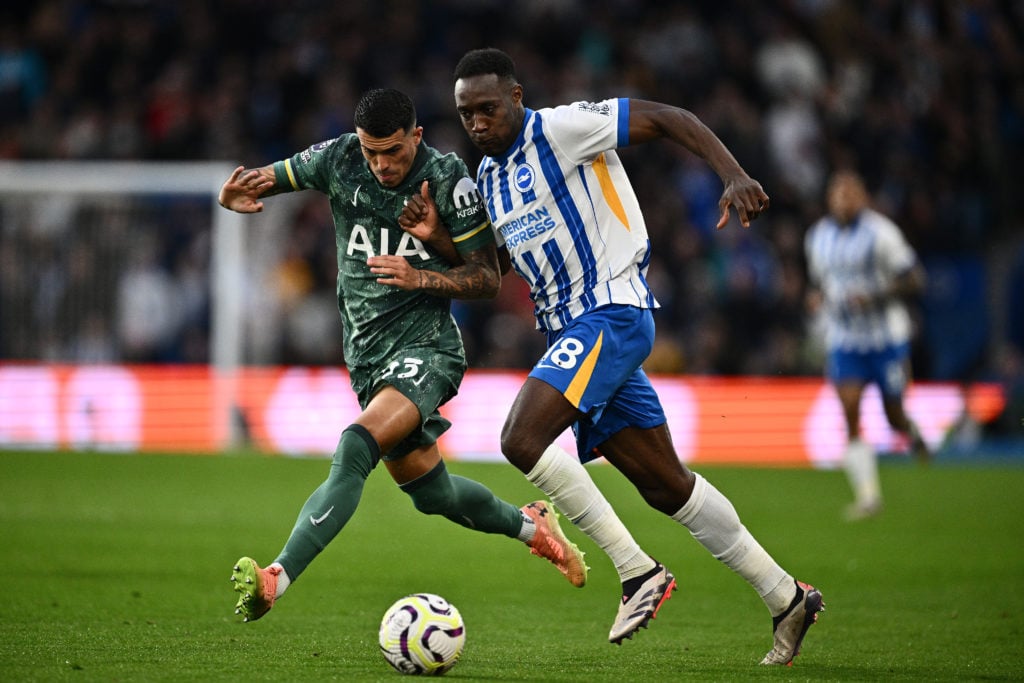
862, 472
282, 581
574, 493
528, 530
713, 521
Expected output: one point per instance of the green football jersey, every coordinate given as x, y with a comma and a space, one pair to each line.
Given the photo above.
378, 319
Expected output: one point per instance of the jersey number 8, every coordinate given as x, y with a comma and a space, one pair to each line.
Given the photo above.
565, 353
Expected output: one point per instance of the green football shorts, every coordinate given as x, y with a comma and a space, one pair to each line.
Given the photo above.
429, 377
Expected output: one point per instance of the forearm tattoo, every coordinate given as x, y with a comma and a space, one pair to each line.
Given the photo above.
477, 278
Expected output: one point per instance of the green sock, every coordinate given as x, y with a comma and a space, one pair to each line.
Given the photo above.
464, 502
331, 506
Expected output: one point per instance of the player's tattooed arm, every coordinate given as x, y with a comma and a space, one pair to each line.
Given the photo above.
476, 278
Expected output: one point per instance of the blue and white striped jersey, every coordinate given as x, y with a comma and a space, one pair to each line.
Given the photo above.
863, 257
561, 202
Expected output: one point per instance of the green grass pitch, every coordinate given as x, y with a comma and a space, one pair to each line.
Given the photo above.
116, 568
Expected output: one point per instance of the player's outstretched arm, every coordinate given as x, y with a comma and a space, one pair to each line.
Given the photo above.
653, 120
243, 189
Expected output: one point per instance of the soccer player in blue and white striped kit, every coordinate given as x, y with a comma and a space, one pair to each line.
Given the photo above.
568, 221
861, 269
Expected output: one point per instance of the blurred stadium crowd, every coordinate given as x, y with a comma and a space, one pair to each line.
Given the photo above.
924, 97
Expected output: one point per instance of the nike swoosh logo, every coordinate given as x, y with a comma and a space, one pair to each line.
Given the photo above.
317, 521
355, 197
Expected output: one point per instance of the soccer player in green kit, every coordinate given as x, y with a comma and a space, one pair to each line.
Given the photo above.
402, 347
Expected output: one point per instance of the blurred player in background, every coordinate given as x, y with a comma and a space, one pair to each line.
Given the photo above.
403, 350
568, 221
861, 270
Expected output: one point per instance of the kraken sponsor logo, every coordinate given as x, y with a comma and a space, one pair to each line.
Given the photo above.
465, 194
466, 198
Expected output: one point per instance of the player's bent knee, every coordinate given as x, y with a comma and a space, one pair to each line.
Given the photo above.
430, 505
433, 493
521, 452
665, 500
667, 491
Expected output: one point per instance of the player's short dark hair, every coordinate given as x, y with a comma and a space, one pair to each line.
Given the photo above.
382, 111
488, 60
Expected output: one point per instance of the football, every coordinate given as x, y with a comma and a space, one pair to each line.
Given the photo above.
423, 634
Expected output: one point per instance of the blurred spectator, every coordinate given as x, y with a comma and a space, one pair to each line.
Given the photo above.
148, 317
22, 73
1008, 366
